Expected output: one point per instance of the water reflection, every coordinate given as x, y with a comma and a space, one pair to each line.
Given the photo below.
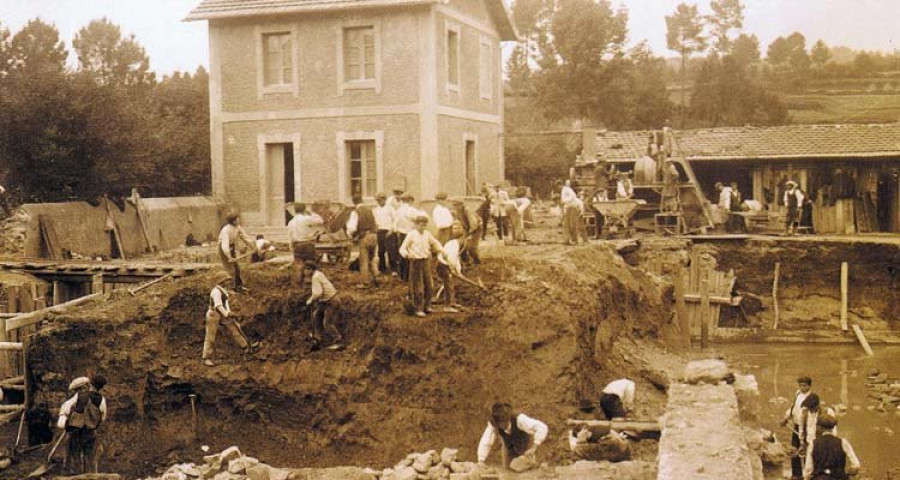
839, 377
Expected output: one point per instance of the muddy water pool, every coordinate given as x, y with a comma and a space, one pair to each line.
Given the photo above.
839, 374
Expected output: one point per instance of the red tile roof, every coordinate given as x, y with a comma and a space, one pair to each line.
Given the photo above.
214, 9
761, 143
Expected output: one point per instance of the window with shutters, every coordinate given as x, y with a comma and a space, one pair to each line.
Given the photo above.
360, 57
363, 167
278, 62
451, 48
485, 69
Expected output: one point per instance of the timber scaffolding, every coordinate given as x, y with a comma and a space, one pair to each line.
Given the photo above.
68, 284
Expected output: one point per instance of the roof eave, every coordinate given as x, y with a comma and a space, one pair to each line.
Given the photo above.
196, 15
830, 156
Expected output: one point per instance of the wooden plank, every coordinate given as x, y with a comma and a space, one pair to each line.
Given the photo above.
97, 283
704, 314
775, 294
12, 381
713, 299
12, 415
5, 346
38, 315
680, 307
862, 340
844, 294
633, 425
10, 408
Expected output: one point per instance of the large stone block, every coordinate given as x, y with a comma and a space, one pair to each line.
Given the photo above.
706, 371
747, 391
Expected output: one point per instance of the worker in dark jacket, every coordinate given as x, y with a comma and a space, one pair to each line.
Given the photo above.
521, 434
830, 457
361, 227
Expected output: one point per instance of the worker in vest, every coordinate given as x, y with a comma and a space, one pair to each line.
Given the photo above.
830, 457
79, 417
324, 300
617, 398
793, 203
361, 227
798, 419
521, 435
384, 222
442, 218
219, 312
228, 237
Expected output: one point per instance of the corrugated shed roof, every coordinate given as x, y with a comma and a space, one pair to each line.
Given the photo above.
759, 143
215, 9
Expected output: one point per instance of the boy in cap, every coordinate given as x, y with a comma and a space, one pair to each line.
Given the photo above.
219, 312
80, 416
417, 248
324, 297
403, 224
830, 457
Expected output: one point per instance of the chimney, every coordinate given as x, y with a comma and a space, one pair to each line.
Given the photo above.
588, 144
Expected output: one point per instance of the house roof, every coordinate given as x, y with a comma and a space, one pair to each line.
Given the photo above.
216, 9
764, 143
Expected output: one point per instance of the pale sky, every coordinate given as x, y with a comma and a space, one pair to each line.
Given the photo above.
176, 45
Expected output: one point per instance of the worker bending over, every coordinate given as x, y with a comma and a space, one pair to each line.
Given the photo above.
219, 312
303, 230
521, 435
617, 398
324, 297
830, 457
449, 265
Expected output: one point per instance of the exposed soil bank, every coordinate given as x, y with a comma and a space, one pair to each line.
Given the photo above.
553, 327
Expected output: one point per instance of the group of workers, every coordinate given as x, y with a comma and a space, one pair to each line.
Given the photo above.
732, 203
609, 184
507, 213
521, 435
818, 453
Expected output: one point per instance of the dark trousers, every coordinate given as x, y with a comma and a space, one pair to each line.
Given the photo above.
323, 318
393, 249
384, 238
233, 269
612, 406
796, 462
598, 222
81, 451
449, 294
421, 288
502, 228
402, 263
485, 219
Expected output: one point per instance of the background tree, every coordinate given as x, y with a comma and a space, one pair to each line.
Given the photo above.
36, 52
684, 34
790, 61
819, 55
745, 50
727, 15
110, 58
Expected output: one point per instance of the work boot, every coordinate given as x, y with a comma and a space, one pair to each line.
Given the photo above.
209, 363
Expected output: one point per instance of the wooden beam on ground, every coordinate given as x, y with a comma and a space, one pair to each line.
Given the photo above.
4, 346
862, 340
36, 316
10, 408
11, 415
713, 299
633, 425
845, 268
13, 381
775, 294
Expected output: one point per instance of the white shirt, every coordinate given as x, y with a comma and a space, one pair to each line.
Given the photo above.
393, 202
624, 189
67, 406
522, 203
219, 300
442, 217
384, 217
417, 246
852, 464
304, 228
322, 288
264, 245
229, 236
451, 256
567, 196
624, 388
403, 218
725, 198
536, 428
797, 192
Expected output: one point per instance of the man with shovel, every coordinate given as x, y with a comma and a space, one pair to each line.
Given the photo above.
228, 238
79, 418
218, 313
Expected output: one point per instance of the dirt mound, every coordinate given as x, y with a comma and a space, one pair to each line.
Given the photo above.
542, 337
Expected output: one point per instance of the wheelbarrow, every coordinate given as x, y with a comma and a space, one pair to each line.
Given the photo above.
617, 215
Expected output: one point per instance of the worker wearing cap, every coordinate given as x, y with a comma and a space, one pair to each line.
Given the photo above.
81, 447
324, 298
384, 222
394, 200
797, 417
521, 434
228, 237
219, 312
442, 217
361, 226
617, 398
403, 224
417, 248
303, 230
830, 457
793, 203
449, 265
571, 214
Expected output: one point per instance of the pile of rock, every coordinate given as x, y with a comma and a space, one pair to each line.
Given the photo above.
884, 389
230, 464
431, 465
13, 231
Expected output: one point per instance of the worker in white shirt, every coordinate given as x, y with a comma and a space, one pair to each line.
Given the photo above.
394, 200
571, 215
448, 266
228, 237
384, 222
264, 249
303, 230
517, 214
403, 224
324, 298
830, 457
442, 218
219, 312
624, 187
793, 203
417, 248
521, 435
798, 419
617, 398
499, 199
724, 192
80, 416
361, 227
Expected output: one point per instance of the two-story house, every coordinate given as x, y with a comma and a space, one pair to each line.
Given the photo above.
324, 99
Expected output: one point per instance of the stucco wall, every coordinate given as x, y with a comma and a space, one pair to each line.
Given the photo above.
469, 95
81, 228
318, 175
451, 153
318, 42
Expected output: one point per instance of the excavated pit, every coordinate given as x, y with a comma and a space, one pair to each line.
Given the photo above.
553, 327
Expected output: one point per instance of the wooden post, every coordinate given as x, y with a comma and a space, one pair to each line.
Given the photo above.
680, 307
844, 294
862, 340
704, 313
97, 283
775, 294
